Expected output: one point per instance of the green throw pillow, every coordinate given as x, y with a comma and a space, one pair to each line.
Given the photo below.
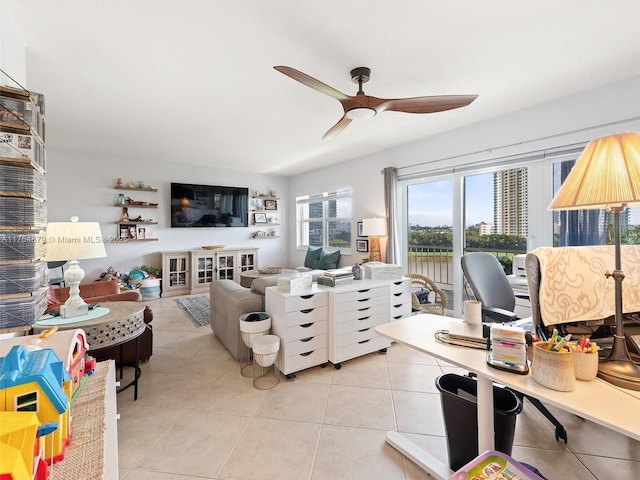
329, 260
312, 260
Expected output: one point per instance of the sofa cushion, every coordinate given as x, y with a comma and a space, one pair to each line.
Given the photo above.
329, 260
312, 259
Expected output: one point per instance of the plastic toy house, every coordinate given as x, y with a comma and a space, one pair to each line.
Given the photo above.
21, 448
37, 382
70, 345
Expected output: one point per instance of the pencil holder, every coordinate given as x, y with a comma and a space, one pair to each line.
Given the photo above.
585, 365
553, 369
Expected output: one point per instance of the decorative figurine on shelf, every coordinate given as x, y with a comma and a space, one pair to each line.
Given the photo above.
119, 182
121, 199
272, 194
125, 214
357, 271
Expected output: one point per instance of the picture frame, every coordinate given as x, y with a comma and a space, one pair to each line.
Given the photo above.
259, 218
142, 233
360, 226
362, 245
270, 205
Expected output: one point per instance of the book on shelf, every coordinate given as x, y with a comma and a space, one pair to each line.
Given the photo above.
335, 282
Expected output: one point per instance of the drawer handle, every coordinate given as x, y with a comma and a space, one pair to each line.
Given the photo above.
364, 300
364, 309
364, 318
398, 317
306, 354
364, 341
397, 306
308, 339
364, 329
363, 291
307, 310
306, 297
398, 283
397, 294
306, 325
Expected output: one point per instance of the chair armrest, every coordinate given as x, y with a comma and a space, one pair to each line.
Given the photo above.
500, 314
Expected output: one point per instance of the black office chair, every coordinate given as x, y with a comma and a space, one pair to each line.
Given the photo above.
489, 284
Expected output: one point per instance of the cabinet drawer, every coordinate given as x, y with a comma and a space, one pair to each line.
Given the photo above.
400, 297
355, 325
400, 311
355, 337
362, 312
309, 315
360, 294
357, 349
304, 302
306, 344
366, 301
400, 286
304, 360
306, 330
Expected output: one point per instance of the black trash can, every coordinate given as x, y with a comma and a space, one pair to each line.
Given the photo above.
459, 406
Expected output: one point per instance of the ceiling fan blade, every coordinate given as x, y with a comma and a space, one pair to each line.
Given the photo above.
337, 128
433, 104
311, 82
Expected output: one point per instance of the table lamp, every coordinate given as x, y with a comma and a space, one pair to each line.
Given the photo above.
374, 228
607, 175
74, 241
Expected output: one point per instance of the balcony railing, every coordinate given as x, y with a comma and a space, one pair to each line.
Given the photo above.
437, 262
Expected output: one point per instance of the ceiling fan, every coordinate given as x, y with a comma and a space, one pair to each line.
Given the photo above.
366, 106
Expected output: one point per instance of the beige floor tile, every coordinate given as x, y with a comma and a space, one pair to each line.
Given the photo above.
302, 402
198, 445
346, 453
138, 474
230, 395
399, 353
139, 429
555, 465
318, 374
360, 407
602, 467
273, 449
366, 371
418, 412
414, 377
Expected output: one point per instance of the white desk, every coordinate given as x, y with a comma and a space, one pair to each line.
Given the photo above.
598, 401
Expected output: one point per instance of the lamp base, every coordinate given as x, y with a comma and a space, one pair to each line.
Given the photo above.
70, 311
618, 368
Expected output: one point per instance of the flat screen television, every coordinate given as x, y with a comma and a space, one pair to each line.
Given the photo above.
208, 206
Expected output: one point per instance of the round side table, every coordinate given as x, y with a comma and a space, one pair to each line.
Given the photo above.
110, 324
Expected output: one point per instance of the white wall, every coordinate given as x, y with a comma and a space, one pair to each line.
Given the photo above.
12, 50
574, 119
84, 186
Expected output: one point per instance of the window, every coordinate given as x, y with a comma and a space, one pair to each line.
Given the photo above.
590, 227
27, 402
324, 220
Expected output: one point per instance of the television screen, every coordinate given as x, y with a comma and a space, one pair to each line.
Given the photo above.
208, 206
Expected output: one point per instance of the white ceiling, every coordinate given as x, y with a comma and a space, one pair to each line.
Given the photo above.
193, 81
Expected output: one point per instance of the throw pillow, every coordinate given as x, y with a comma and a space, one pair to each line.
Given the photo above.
51, 296
423, 296
312, 260
329, 260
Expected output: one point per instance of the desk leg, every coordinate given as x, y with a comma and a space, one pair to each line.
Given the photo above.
485, 415
430, 464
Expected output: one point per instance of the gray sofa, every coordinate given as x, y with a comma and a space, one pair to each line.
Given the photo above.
229, 301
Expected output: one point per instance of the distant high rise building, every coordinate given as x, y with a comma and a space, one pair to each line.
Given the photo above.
485, 228
510, 202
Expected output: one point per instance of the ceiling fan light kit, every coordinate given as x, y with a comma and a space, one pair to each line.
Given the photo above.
361, 106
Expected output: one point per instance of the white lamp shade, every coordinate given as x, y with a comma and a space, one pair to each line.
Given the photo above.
607, 174
74, 241
374, 227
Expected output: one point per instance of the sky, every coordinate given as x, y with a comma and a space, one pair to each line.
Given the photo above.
430, 204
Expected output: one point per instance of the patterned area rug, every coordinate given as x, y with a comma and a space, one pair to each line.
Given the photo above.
196, 308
